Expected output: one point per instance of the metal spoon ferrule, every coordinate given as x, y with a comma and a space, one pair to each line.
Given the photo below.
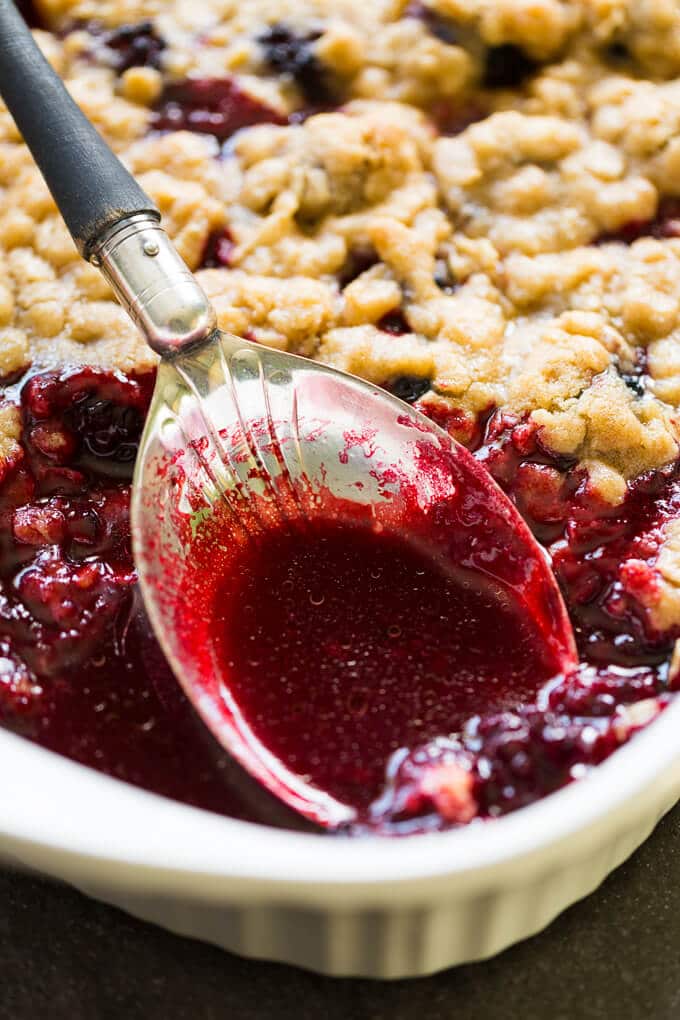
154, 284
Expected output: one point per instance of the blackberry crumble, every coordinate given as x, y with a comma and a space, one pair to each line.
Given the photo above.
486, 226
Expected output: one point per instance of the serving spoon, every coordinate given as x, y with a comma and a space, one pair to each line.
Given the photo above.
248, 436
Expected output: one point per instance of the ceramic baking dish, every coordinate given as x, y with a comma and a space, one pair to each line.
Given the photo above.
383, 908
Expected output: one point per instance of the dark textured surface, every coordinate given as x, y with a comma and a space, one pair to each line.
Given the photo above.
616, 956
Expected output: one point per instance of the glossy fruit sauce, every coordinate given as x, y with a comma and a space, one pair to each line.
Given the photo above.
361, 663
342, 645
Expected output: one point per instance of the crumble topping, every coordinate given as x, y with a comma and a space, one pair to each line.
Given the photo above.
473, 202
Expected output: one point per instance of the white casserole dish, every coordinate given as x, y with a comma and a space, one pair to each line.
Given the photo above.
383, 908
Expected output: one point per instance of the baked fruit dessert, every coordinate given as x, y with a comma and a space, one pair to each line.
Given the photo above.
474, 206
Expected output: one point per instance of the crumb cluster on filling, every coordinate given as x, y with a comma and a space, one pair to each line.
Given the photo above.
480, 196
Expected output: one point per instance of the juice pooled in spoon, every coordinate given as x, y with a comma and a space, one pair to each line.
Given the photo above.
335, 635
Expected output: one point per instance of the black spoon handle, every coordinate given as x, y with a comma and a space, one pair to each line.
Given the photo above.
90, 185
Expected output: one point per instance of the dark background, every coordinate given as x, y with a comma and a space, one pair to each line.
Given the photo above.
615, 956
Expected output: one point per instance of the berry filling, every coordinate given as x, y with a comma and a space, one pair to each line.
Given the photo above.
218, 250
359, 260
212, 106
604, 556
80, 672
395, 323
507, 67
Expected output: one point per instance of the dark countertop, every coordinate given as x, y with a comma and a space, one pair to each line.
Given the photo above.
616, 956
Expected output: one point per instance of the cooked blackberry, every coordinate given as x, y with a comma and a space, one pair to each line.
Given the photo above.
133, 46
394, 322
212, 106
408, 387
289, 52
217, 251
507, 67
